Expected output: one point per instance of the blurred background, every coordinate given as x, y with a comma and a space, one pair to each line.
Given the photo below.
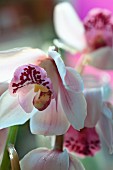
30, 23
26, 23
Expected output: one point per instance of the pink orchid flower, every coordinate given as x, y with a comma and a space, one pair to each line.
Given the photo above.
83, 143
86, 142
99, 119
53, 107
83, 7
99, 107
50, 159
92, 37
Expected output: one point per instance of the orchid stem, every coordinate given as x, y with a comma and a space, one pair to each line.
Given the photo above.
80, 65
59, 143
10, 140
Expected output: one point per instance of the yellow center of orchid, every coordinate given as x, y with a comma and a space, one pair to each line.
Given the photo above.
42, 88
42, 100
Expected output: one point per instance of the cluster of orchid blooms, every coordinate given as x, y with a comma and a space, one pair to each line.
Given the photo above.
72, 104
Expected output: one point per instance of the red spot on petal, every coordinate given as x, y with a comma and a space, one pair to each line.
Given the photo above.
29, 74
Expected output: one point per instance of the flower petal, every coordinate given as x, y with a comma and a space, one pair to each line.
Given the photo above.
108, 110
74, 163
73, 80
68, 26
106, 129
58, 61
102, 58
25, 98
3, 87
70, 78
71, 101
43, 159
74, 106
15, 57
11, 112
49, 121
94, 106
83, 143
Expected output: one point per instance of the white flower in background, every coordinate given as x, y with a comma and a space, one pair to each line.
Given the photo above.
92, 37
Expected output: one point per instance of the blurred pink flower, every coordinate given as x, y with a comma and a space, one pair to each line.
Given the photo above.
99, 119
93, 37
85, 142
63, 107
83, 7
44, 159
98, 28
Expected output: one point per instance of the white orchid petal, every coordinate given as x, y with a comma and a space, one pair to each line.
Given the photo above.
72, 99
11, 113
3, 87
94, 106
68, 26
102, 58
73, 80
107, 111
70, 77
106, 129
43, 159
25, 98
59, 63
75, 164
49, 121
74, 106
11, 59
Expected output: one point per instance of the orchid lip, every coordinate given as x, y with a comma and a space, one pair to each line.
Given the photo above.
31, 84
42, 100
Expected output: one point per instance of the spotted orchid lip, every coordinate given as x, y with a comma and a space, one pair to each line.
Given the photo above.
85, 142
28, 83
30, 74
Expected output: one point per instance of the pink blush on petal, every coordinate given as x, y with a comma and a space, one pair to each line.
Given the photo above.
83, 143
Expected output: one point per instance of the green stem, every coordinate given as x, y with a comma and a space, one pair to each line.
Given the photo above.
59, 143
10, 140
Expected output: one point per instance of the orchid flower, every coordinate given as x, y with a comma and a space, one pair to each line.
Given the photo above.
83, 7
83, 143
99, 114
92, 37
97, 91
43, 158
51, 101
99, 119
